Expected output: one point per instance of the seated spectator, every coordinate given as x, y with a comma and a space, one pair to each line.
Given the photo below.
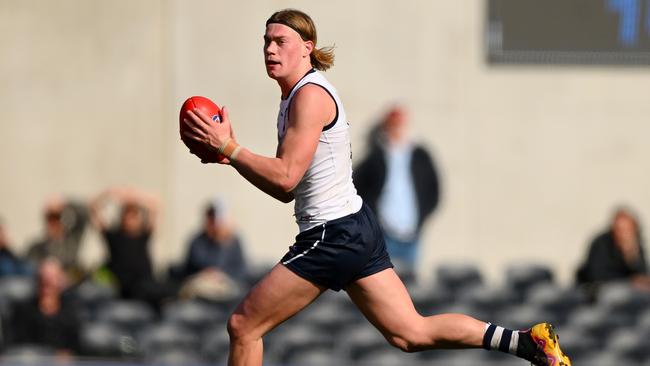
52, 317
616, 254
65, 223
128, 242
215, 261
10, 264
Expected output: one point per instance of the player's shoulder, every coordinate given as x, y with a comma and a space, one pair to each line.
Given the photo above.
311, 89
310, 94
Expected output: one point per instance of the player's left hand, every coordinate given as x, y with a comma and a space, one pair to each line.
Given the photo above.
202, 131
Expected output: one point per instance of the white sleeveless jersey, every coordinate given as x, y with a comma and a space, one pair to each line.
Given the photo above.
326, 191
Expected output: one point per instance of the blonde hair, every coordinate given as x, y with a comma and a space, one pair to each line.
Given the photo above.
321, 58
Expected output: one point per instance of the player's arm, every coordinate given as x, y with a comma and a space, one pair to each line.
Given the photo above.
311, 109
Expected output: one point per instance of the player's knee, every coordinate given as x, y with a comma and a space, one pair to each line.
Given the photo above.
410, 342
237, 327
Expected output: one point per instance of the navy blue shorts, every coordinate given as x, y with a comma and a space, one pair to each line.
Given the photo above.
339, 252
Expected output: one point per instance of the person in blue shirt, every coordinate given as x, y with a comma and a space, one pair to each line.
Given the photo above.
398, 175
10, 264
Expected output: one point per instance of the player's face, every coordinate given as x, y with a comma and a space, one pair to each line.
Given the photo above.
284, 50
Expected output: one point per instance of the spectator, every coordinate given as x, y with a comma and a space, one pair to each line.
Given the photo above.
65, 223
398, 180
52, 317
10, 264
128, 242
215, 260
616, 254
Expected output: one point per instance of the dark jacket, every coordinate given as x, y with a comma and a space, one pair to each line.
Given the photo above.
370, 176
605, 262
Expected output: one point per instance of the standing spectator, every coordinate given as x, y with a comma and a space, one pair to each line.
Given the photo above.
128, 241
215, 260
616, 254
65, 223
10, 264
398, 180
52, 317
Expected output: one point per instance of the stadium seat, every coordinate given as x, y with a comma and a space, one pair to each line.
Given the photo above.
495, 358
174, 357
215, 344
623, 298
577, 343
596, 320
473, 357
457, 277
605, 358
195, 315
643, 321
91, 296
328, 318
629, 345
388, 357
297, 338
105, 339
315, 357
487, 300
561, 302
360, 341
28, 355
522, 277
167, 336
92, 293
428, 299
523, 317
17, 288
127, 314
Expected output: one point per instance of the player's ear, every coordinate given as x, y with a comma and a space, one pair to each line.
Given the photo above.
309, 46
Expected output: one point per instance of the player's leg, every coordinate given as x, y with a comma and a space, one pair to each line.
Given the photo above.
383, 299
274, 299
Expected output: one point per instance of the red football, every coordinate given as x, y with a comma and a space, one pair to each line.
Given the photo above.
206, 106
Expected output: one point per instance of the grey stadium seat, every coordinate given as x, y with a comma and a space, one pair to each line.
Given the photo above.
174, 357
488, 300
427, 299
17, 288
329, 317
522, 277
523, 317
314, 357
28, 355
127, 314
167, 336
215, 344
361, 340
195, 315
577, 344
559, 301
456, 277
296, 338
388, 357
623, 298
106, 339
630, 345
